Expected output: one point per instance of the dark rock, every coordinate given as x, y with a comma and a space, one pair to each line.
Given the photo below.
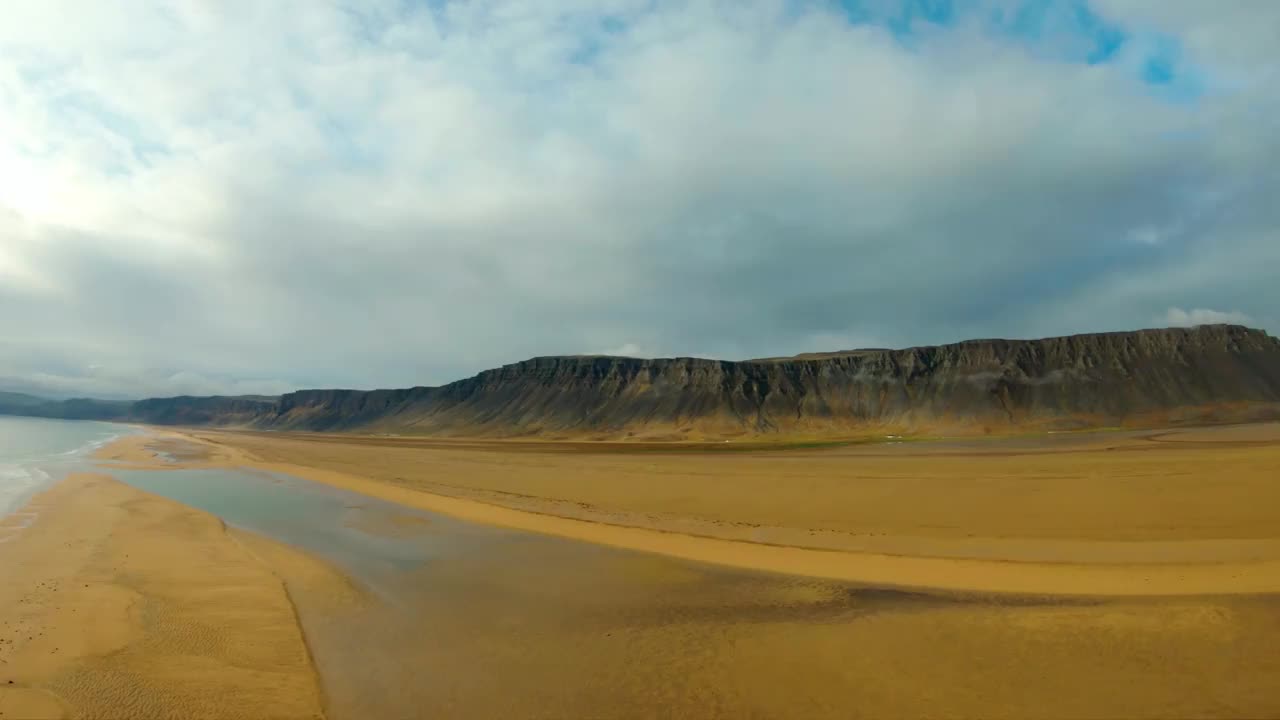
1211, 373
1207, 373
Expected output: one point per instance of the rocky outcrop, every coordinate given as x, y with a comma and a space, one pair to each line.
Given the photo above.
1175, 375
186, 410
1204, 374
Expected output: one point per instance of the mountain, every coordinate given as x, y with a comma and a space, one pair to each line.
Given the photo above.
75, 409
19, 400
187, 410
1212, 373
1207, 373
241, 410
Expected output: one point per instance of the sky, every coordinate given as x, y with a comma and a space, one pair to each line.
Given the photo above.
254, 196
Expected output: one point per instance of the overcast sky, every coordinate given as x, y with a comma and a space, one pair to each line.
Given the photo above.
226, 196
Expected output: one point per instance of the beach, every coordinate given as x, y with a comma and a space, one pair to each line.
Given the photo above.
465, 581
1088, 514
117, 603
632, 360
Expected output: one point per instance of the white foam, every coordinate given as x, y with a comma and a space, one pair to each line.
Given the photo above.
22, 474
90, 446
17, 484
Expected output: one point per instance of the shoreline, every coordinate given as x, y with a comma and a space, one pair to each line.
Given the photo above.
105, 615
1168, 578
158, 609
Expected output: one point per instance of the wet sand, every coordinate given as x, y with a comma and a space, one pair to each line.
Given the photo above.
512, 624
693, 642
1187, 512
116, 603
535, 627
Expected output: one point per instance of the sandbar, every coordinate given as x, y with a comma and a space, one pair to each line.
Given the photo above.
117, 603
1176, 513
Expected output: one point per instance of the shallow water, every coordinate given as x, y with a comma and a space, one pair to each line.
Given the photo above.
470, 621
450, 619
370, 539
34, 452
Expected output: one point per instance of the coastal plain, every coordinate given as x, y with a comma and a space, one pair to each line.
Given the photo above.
1080, 575
116, 603
1072, 513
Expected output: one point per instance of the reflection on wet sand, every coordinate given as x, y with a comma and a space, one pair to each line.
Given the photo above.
409, 613
542, 630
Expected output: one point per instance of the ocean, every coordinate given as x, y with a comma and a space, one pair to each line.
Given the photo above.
35, 452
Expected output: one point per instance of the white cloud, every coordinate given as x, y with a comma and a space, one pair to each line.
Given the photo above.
625, 350
1177, 317
1240, 32
398, 193
125, 382
1149, 235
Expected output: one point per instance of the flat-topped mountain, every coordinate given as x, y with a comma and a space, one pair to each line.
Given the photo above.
1211, 373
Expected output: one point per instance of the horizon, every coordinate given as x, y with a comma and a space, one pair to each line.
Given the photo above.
799, 357
248, 199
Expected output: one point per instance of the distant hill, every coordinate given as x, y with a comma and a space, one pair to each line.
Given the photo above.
1212, 373
13, 399
163, 411
186, 410
75, 409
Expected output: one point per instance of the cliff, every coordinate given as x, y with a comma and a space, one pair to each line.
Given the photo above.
1206, 374
1209, 373
185, 410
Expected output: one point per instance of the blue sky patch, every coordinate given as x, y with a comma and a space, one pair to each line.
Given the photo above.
1063, 30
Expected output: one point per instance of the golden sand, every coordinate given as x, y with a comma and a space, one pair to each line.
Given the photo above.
543, 628
537, 627
1187, 512
119, 604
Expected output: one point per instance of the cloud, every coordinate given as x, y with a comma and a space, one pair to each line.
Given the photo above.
132, 383
625, 350
1177, 317
272, 195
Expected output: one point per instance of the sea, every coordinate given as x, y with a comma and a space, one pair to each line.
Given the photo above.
35, 452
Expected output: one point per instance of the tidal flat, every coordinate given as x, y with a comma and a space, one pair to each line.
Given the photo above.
405, 610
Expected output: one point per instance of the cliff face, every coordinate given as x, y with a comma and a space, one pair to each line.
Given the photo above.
187, 410
1209, 373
